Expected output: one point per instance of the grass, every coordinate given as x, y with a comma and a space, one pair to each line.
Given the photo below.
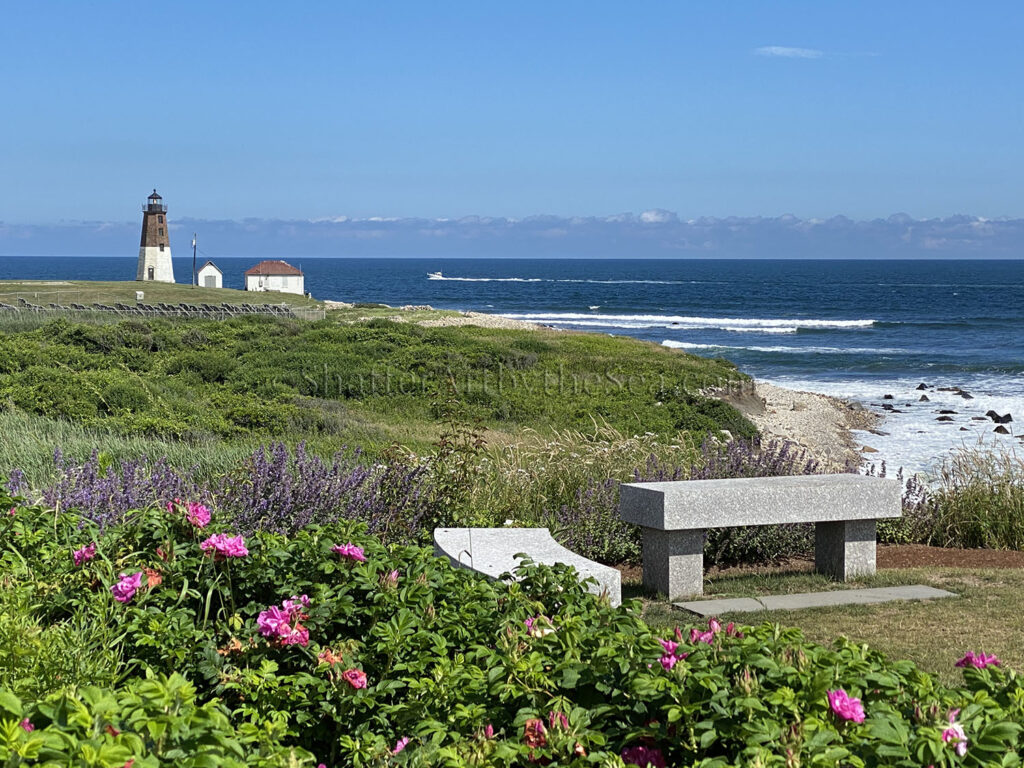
111, 291
933, 633
979, 501
27, 442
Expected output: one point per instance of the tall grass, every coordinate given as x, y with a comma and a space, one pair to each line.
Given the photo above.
28, 443
978, 501
522, 480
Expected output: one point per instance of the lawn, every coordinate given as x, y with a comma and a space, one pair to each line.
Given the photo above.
933, 633
88, 292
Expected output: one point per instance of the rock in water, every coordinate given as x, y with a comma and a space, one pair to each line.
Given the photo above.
999, 419
966, 395
922, 385
923, 399
946, 411
944, 418
1001, 430
887, 397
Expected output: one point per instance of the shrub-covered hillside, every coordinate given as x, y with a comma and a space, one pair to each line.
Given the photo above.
378, 381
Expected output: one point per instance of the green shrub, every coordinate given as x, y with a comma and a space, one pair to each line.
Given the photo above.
155, 721
384, 371
125, 397
464, 668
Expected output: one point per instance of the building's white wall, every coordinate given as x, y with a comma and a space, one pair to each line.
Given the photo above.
160, 261
213, 272
281, 283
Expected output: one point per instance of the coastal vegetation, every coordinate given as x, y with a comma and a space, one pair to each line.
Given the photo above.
220, 530
334, 384
191, 644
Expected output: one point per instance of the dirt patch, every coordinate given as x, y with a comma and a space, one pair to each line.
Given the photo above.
921, 556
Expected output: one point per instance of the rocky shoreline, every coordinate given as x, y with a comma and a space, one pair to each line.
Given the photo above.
823, 425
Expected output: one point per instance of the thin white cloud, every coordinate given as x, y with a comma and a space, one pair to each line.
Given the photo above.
786, 52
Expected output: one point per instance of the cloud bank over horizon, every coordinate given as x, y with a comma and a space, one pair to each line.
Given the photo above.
653, 233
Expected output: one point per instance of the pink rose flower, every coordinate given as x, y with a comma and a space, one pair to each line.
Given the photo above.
978, 660
846, 707
557, 719
401, 744
350, 551
282, 624
668, 661
84, 554
644, 756
696, 636
223, 545
355, 677
126, 588
298, 635
296, 605
274, 622
488, 731
668, 645
198, 515
955, 734
26, 725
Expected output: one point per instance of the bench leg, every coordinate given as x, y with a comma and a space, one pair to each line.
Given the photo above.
674, 562
845, 549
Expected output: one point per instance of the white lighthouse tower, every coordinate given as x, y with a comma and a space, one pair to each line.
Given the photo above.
155, 248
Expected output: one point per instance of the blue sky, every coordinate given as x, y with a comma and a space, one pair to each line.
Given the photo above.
307, 110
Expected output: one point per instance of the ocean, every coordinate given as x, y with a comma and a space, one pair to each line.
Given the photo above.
857, 329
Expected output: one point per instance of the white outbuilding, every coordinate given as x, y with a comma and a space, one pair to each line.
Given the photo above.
210, 276
275, 276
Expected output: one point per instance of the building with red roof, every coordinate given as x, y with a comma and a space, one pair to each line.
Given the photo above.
275, 275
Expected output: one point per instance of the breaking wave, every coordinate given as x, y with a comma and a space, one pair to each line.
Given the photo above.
792, 350
680, 322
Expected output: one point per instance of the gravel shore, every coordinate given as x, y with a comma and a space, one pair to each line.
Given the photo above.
821, 424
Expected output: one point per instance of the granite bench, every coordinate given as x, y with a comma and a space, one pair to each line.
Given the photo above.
674, 515
491, 552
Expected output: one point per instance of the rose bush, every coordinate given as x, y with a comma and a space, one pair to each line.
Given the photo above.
328, 647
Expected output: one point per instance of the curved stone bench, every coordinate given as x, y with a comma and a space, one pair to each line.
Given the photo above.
491, 552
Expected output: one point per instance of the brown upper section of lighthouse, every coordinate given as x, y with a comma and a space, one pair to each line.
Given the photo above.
154, 223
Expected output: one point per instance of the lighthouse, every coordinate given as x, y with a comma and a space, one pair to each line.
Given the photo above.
155, 248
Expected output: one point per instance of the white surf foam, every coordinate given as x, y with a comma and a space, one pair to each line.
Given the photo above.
914, 439
438, 276
792, 350
488, 279
735, 324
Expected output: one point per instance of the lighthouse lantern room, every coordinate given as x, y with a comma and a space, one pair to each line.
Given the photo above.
155, 248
